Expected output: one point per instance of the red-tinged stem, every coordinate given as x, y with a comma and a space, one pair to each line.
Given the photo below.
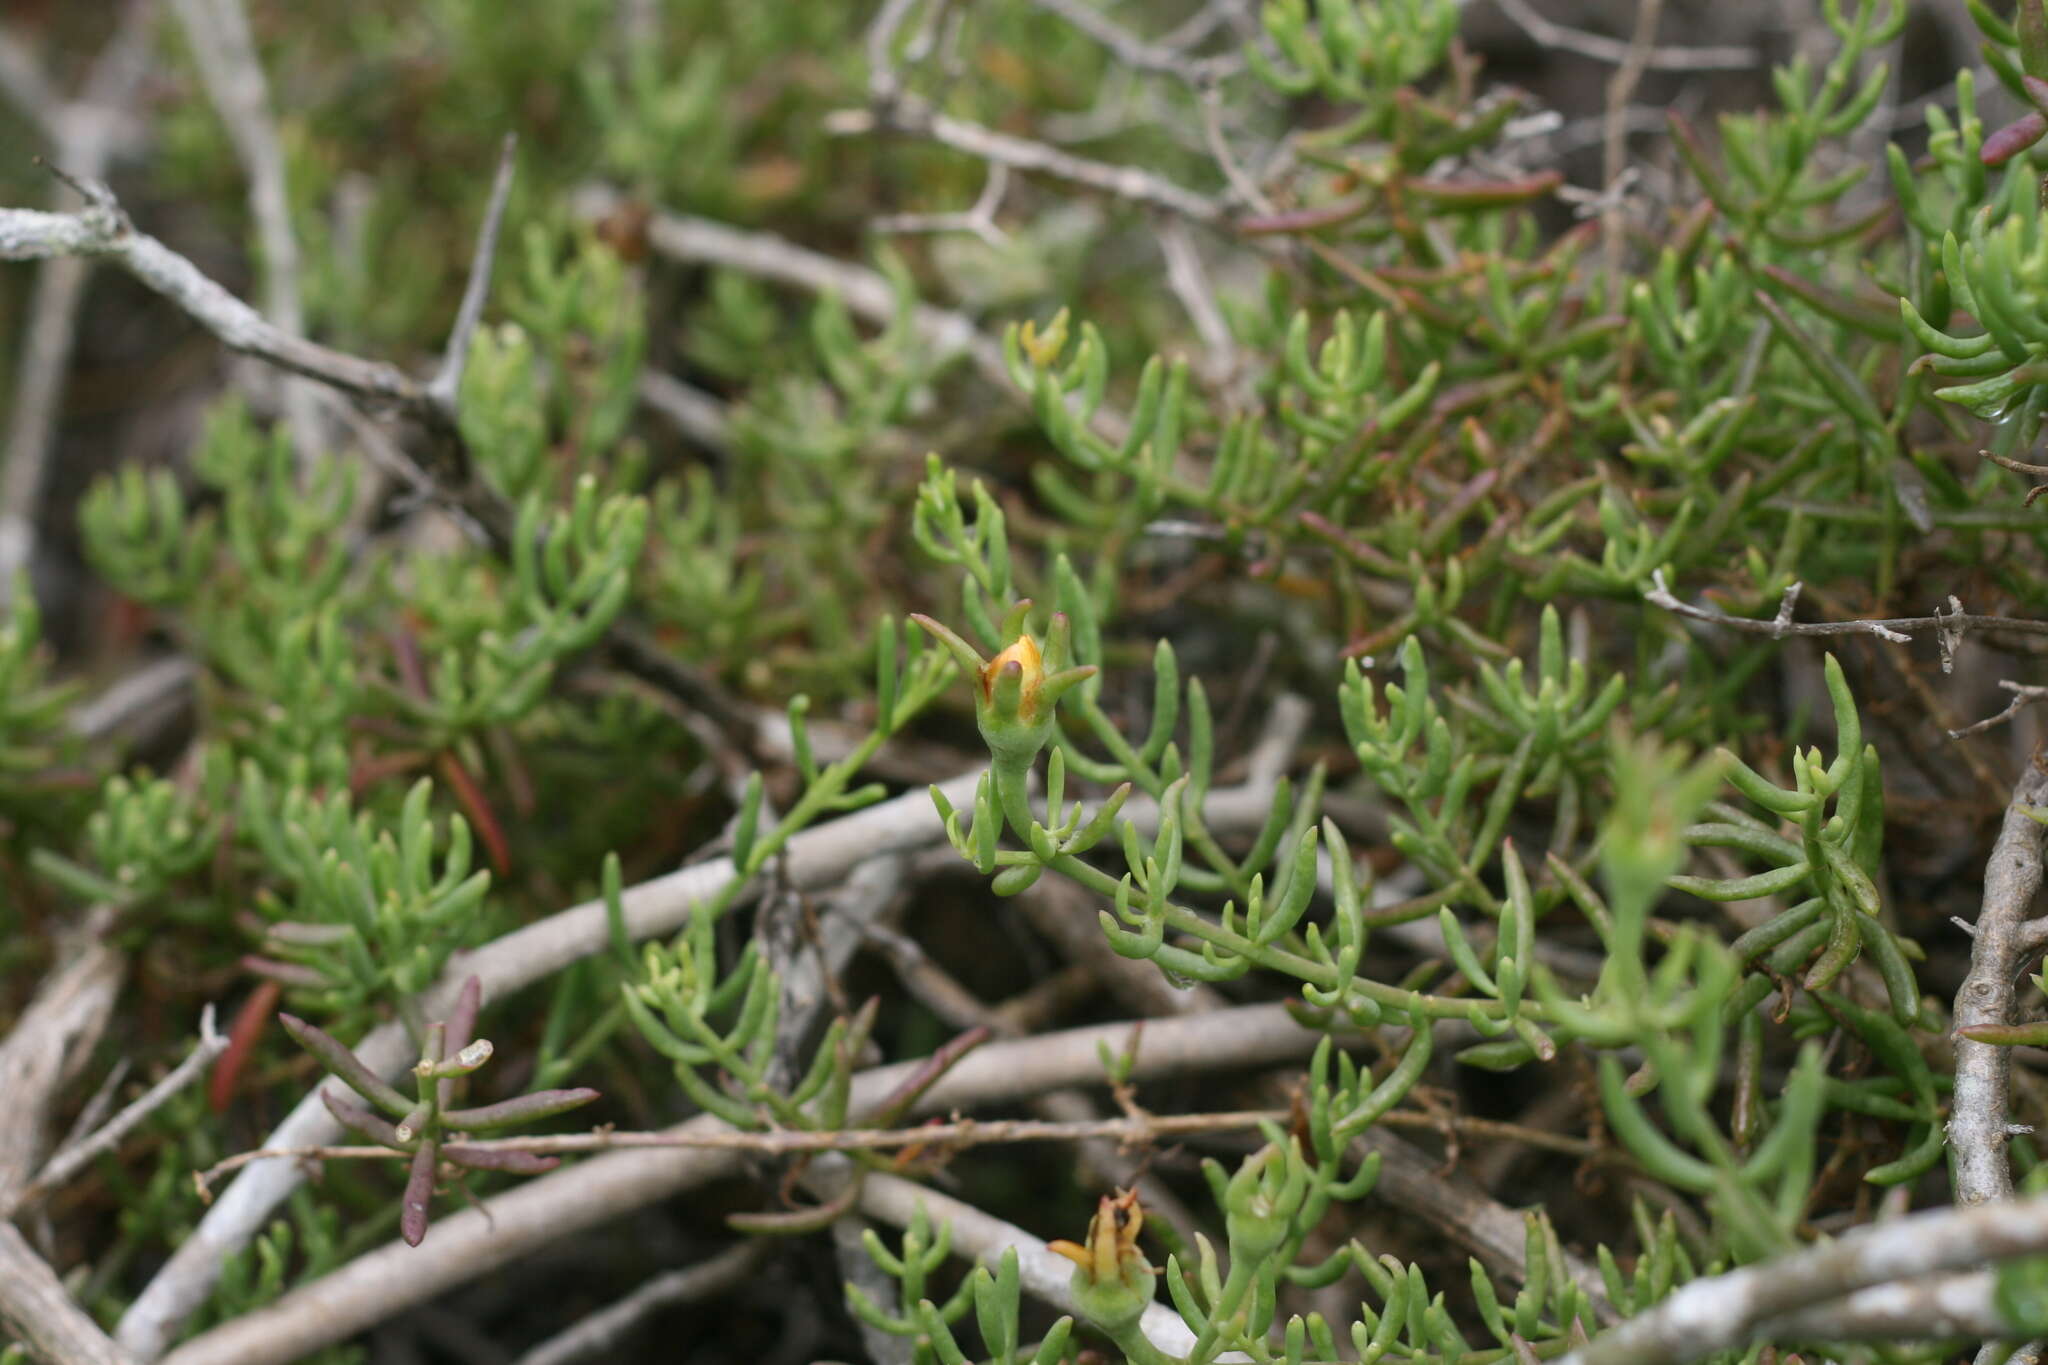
283, 973
935, 1066
367, 773
1359, 553
249, 1023
412, 668
1304, 220
481, 817
461, 1028
1474, 194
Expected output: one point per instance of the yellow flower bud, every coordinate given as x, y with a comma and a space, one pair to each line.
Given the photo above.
1022, 652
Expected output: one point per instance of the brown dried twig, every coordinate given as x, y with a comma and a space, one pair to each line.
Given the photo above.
957, 1134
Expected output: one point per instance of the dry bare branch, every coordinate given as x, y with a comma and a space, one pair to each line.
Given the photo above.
445, 388
866, 293
478, 1240
217, 33
1614, 175
83, 136
42, 1316
102, 231
691, 411
979, 218
596, 1334
1721, 1312
2023, 696
910, 115
73, 1157
1962, 1305
1602, 49
1893, 630
51, 1041
1167, 58
958, 1134
817, 857
1977, 1120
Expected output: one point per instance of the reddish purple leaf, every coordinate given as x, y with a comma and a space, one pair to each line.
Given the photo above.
2014, 138
419, 1192
499, 1159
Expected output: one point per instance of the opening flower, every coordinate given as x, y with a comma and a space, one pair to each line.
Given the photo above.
1016, 691
1029, 665
1114, 1281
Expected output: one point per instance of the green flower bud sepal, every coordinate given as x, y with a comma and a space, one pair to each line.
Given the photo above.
1113, 1283
1015, 692
1261, 1201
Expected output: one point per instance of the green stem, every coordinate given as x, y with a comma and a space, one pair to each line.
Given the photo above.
1013, 794
1138, 1348
1301, 968
831, 784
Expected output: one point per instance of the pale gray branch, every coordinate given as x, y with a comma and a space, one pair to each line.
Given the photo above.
217, 32
817, 857
1722, 1312
693, 412
42, 1316
474, 1242
866, 293
602, 1331
71, 1159
102, 231
51, 1041
1947, 1306
1977, 1119
1132, 51
446, 386
1189, 280
157, 686
911, 115
1892, 629
1603, 49
83, 136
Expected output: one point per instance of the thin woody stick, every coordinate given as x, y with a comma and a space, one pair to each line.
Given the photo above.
475, 1241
